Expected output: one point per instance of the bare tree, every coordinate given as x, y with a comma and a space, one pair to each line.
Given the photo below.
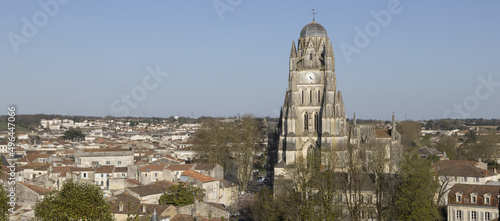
233, 145
351, 181
247, 140
211, 143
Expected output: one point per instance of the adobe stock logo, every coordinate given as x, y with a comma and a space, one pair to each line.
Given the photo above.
372, 29
221, 7
40, 19
483, 91
138, 93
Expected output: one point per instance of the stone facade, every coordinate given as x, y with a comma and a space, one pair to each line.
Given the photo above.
116, 157
204, 209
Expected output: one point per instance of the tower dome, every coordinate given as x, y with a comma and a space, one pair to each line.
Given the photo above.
313, 29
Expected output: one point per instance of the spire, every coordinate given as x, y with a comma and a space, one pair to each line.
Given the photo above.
331, 50
327, 49
354, 119
293, 52
393, 129
341, 101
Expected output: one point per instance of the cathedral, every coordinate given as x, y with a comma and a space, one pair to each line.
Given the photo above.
313, 120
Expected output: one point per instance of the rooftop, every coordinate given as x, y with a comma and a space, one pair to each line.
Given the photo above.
460, 168
313, 29
198, 176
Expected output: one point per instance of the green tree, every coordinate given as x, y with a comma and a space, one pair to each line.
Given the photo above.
182, 195
4, 207
75, 201
263, 207
73, 133
416, 191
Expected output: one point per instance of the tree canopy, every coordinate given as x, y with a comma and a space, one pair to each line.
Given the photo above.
182, 195
75, 201
4, 207
72, 133
416, 191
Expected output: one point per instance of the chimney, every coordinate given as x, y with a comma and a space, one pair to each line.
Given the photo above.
144, 208
120, 207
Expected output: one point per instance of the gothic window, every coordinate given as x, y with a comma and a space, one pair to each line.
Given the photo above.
316, 121
306, 121
310, 96
310, 56
319, 96
303, 95
312, 157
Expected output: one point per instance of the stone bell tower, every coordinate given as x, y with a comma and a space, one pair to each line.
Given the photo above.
313, 115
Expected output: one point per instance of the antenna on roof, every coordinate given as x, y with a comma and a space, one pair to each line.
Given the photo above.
314, 14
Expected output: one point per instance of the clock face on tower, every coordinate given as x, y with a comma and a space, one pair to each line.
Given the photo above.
310, 77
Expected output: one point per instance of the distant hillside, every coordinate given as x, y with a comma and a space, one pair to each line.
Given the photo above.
19, 128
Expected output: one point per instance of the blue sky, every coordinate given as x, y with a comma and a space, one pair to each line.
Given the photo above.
228, 57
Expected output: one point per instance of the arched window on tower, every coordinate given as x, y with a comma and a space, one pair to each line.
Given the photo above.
310, 56
306, 121
303, 95
316, 122
310, 96
319, 96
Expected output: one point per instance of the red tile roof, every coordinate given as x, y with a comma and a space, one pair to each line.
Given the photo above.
205, 166
152, 167
198, 176
36, 189
467, 189
153, 188
35, 166
382, 133
135, 182
121, 169
104, 169
183, 218
179, 167
460, 168
61, 169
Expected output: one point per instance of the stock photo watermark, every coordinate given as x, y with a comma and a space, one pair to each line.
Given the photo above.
11, 146
372, 29
224, 6
483, 91
30, 27
137, 94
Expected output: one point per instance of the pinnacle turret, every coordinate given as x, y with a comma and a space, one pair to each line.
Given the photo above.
293, 52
